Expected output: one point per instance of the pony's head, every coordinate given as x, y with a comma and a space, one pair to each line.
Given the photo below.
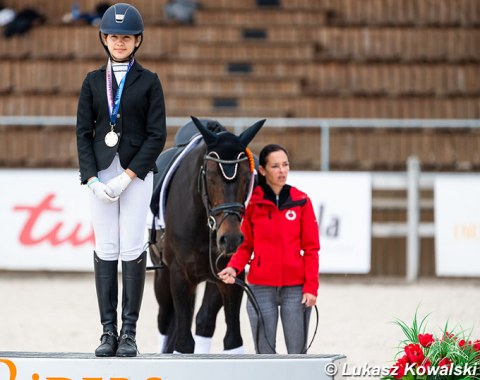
226, 181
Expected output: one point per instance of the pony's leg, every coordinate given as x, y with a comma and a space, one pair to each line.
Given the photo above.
206, 318
232, 301
165, 317
183, 293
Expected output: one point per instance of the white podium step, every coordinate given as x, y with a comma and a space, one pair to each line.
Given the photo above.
83, 366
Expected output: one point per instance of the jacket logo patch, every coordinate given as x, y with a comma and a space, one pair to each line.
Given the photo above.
290, 215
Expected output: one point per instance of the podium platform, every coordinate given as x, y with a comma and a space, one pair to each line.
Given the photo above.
85, 366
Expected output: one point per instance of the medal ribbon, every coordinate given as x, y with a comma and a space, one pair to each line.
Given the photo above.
114, 104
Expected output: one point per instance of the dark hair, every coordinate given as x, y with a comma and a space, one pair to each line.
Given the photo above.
262, 158
267, 149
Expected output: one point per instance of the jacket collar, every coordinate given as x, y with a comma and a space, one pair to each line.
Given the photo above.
132, 76
269, 195
289, 197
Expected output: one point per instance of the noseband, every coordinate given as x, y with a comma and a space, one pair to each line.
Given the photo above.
227, 208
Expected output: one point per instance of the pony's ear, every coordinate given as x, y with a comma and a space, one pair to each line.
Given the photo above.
248, 135
209, 136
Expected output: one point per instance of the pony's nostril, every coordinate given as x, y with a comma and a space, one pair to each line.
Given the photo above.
223, 240
230, 242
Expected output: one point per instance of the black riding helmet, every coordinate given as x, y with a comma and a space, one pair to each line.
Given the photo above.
124, 19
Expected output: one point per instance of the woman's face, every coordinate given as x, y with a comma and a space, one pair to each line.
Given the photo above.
276, 169
121, 46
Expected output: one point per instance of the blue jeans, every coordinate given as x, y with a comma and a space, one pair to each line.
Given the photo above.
294, 315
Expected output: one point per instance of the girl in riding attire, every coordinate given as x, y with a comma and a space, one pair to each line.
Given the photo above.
281, 231
121, 130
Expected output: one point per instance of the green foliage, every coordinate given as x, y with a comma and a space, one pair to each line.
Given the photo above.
453, 355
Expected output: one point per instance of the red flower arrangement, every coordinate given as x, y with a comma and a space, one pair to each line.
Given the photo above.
423, 356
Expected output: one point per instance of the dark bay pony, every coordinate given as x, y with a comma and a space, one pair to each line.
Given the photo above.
203, 213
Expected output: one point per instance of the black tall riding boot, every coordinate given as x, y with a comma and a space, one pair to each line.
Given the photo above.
106, 282
133, 276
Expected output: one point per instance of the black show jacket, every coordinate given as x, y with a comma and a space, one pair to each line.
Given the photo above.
141, 123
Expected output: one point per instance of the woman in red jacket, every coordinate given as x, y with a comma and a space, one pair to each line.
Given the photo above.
281, 245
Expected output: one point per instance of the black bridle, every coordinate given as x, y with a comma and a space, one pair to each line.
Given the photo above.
226, 208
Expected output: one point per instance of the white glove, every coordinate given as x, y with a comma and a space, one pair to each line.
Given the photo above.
99, 190
117, 185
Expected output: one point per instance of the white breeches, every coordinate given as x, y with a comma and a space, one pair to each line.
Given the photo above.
120, 227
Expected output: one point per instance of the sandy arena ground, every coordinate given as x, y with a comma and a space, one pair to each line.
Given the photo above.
58, 313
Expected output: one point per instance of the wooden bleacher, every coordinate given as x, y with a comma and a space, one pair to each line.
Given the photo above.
304, 58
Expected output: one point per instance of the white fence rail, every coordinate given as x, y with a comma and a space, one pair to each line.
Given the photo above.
412, 181
239, 123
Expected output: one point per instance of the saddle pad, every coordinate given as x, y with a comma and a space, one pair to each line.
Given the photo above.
164, 161
165, 183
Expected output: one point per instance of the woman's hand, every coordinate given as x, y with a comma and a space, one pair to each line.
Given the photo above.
228, 275
309, 299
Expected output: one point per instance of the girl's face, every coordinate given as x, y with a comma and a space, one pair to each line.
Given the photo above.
276, 170
121, 46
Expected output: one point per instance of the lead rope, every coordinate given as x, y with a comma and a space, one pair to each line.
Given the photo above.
245, 288
256, 307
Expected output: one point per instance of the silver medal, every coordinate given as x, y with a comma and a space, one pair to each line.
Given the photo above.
111, 139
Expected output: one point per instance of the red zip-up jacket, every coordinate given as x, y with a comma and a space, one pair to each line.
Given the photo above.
282, 233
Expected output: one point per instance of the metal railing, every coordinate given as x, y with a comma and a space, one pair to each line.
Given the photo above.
240, 123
